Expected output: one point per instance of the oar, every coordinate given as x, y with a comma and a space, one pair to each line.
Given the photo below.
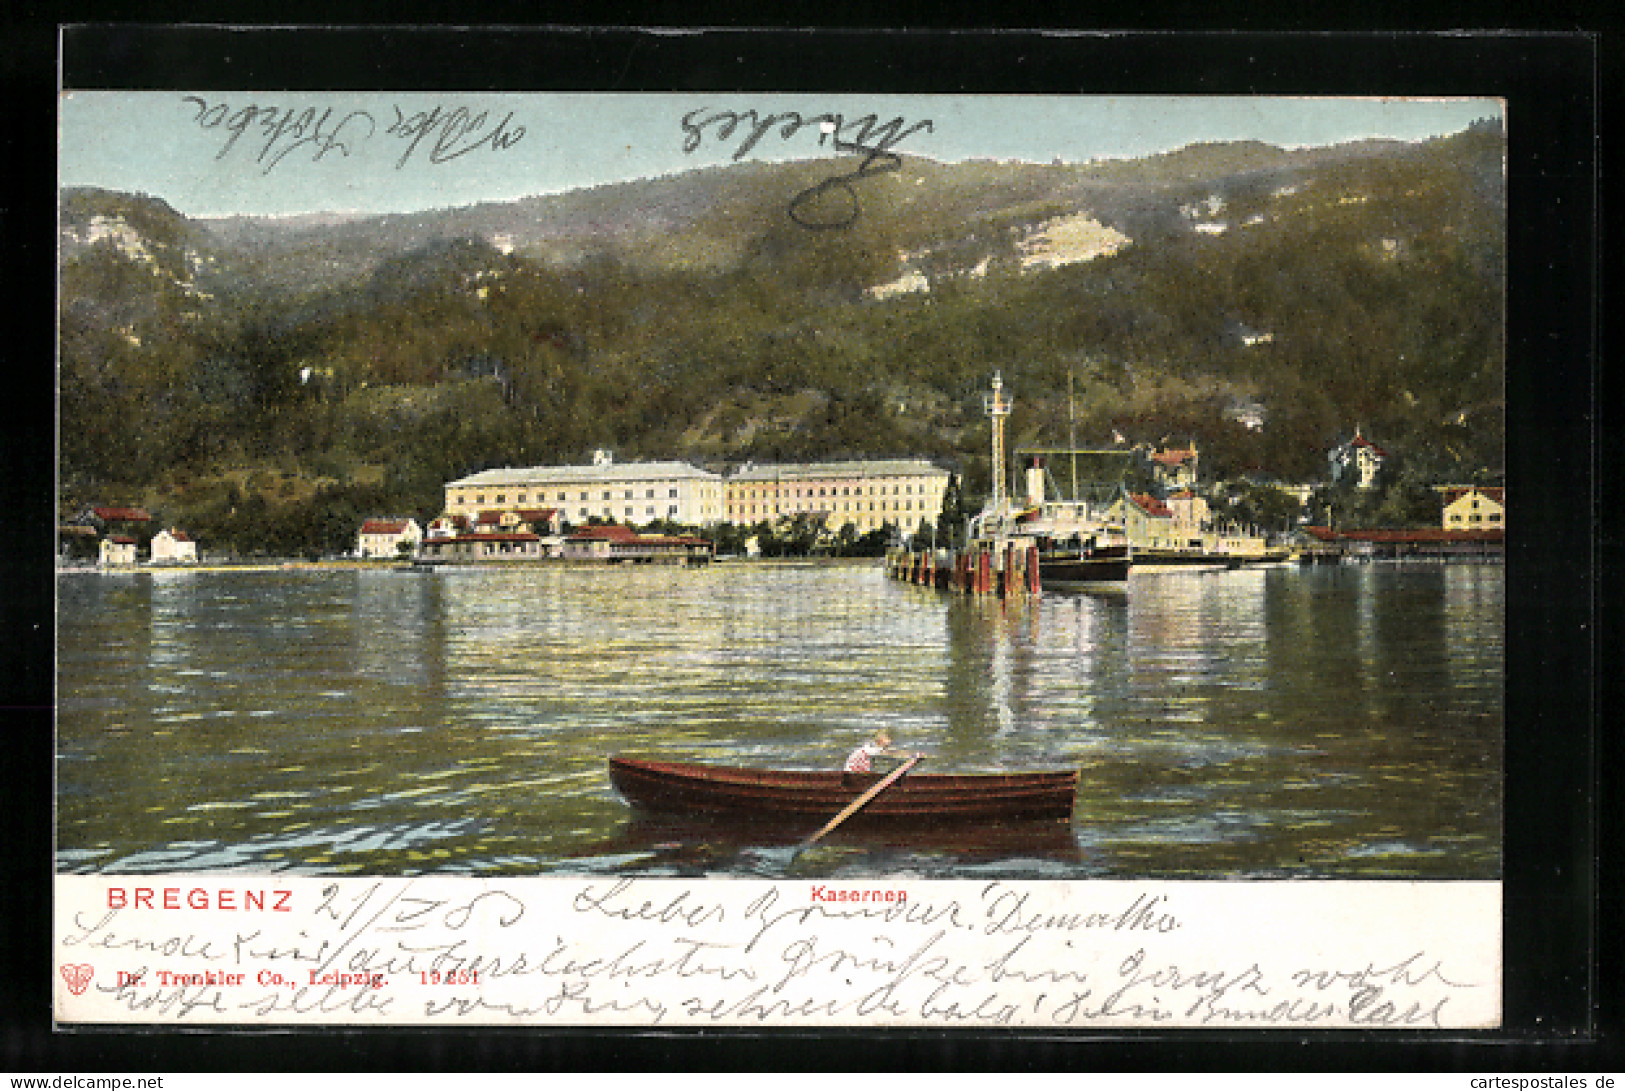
862, 801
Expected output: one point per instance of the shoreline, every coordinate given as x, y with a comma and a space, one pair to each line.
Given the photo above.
414, 566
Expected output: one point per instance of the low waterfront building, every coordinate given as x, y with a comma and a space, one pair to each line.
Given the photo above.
385, 537
616, 544
491, 547
865, 495
1470, 507
173, 547
626, 492
1426, 543
117, 551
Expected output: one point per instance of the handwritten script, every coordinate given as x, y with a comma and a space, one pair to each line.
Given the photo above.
669, 953
270, 134
832, 203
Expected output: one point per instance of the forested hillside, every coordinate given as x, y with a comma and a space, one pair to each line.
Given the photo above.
268, 383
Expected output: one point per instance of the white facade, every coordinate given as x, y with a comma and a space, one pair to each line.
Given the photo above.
629, 492
1190, 511
382, 538
173, 547
117, 552
863, 494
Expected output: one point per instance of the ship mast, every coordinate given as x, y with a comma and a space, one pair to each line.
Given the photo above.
997, 405
1072, 436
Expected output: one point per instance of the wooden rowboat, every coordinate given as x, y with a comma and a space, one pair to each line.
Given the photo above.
793, 795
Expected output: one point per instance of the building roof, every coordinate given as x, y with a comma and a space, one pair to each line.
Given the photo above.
537, 515
614, 471
385, 526
176, 535
1424, 534
885, 467
1173, 457
122, 515
616, 532
605, 532
1361, 441
487, 536
122, 539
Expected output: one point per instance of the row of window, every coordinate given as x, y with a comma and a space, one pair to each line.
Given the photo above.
541, 496
774, 509
844, 490
563, 498
628, 513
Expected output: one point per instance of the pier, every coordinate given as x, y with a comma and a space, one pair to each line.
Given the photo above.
1007, 569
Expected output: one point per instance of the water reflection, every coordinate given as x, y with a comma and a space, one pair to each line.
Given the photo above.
1328, 721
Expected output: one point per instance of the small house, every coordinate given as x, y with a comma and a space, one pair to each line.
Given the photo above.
173, 547
1146, 520
447, 526
1471, 507
1359, 458
118, 551
1175, 467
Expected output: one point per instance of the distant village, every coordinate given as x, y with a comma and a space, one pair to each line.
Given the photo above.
594, 512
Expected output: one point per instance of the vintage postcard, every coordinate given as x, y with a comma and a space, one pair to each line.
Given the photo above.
831, 561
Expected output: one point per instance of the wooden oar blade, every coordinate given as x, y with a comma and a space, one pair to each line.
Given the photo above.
862, 801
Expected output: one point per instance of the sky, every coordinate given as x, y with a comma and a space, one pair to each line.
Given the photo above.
264, 153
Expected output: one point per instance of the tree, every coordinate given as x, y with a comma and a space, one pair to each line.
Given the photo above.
953, 519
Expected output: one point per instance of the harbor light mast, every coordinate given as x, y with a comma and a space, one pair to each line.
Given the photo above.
997, 405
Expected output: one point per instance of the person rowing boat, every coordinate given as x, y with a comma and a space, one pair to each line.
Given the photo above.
861, 760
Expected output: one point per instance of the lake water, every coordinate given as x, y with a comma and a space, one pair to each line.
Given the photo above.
1323, 722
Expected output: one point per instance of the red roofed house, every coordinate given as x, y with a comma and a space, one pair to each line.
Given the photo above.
1360, 457
1175, 467
384, 537
1468, 507
447, 526
541, 520
173, 547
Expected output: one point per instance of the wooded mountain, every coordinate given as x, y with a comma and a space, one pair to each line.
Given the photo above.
266, 382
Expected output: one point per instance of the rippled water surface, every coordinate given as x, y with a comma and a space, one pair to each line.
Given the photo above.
1321, 722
